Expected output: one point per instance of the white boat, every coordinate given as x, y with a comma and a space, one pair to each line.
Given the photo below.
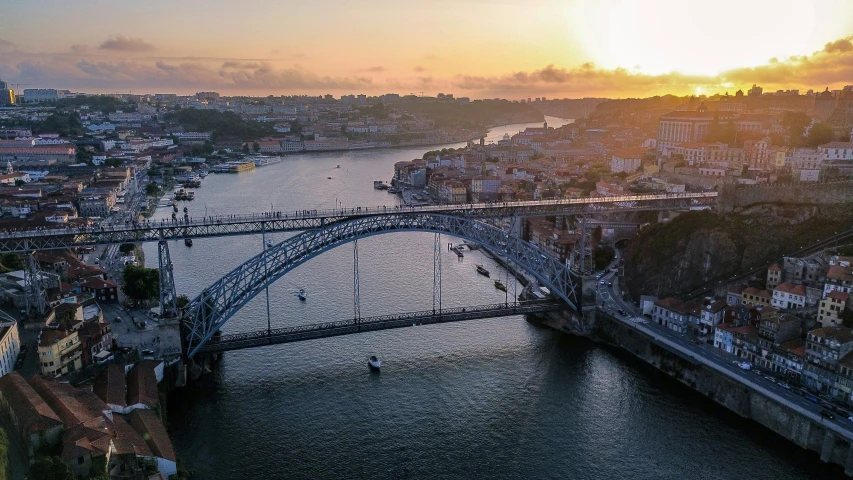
374, 363
302, 295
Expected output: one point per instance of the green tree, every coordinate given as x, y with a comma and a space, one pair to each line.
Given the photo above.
603, 256
182, 301
152, 189
50, 468
113, 162
795, 124
819, 134
140, 283
256, 147
246, 148
126, 247
847, 318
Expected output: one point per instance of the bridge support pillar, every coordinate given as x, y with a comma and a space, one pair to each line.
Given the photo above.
33, 289
168, 299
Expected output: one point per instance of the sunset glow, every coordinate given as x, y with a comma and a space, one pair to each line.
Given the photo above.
470, 48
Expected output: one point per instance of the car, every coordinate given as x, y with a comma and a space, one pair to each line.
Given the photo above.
148, 352
827, 414
811, 398
784, 385
609, 284
97, 261
601, 282
621, 312
770, 379
744, 365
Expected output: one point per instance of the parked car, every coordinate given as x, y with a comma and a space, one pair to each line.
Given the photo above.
811, 398
745, 365
827, 414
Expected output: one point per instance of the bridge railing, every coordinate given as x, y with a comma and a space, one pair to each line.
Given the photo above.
349, 212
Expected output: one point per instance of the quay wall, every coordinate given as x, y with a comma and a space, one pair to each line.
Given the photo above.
746, 402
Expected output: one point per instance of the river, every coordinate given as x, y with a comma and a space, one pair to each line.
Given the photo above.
493, 398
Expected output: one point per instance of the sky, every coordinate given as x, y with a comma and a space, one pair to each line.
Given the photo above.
475, 48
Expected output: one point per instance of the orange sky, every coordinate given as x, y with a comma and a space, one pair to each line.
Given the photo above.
476, 48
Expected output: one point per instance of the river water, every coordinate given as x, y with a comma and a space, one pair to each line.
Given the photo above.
493, 398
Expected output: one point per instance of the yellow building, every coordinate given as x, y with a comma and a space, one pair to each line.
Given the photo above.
831, 307
60, 352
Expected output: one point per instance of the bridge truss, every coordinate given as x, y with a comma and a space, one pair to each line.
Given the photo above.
271, 222
210, 310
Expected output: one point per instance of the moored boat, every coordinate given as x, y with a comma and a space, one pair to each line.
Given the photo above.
482, 270
500, 286
302, 295
374, 363
188, 242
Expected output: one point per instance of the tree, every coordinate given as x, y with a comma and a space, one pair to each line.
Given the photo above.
182, 301
113, 162
4, 455
603, 256
847, 318
126, 247
50, 468
152, 189
795, 124
256, 147
246, 148
140, 283
819, 134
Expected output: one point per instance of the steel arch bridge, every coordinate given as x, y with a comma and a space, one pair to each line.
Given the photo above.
211, 309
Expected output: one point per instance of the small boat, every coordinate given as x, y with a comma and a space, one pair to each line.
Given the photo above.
338, 166
374, 363
500, 286
482, 271
269, 243
302, 295
188, 242
328, 178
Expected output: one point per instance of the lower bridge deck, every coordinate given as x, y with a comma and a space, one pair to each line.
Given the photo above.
300, 333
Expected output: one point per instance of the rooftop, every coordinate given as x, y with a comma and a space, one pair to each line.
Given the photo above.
30, 409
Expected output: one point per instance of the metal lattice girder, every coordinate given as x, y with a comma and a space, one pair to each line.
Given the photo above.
153, 231
168, 299
209, 311
34, 294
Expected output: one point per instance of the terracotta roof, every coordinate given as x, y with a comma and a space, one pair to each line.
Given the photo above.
669, 302
97, 283
142, 385
836, 295
73, 405
31, 411
110, 385
737, 289
775, 267
50, 336
837, 272
796, 346
148, 424
127, 440
838, 333
788, 287
91, 437
757, 292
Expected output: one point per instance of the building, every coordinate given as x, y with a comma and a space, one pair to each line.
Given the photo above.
777, 328
10, 344
676, 315
839, 278
627, 160
774, 276
754, 296
152, 430
39, 154
35, 422
60, 352
712, 315
826, 349
111, 387
102, 290
684, 126
787, 295
36, 95
831, 307
96, 205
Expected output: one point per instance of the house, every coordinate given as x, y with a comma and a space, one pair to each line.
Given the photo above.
10, 343
755, 296
152, 430
839, 277
831, 307
31, 417
60, 351
103, 290
110, 386
777, 328
712, 315
787, 295
825, 347
733, 296
142, 385
676, 315
96, 337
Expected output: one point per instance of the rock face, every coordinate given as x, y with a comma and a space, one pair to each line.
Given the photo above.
700, 247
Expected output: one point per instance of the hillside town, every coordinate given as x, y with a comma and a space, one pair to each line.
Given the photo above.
81, 162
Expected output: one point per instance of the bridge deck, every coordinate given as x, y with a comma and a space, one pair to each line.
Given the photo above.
269, 222
346, 327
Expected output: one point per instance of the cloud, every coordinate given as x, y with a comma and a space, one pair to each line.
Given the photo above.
78, 48
126, 44
419, 68
6, 45
841, 45
376, 69
241, 65
430, 56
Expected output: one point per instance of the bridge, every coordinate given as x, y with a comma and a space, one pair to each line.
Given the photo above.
270, 222
321, 230
237, 341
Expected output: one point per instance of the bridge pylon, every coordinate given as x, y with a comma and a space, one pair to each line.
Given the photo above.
34, 294
168, 299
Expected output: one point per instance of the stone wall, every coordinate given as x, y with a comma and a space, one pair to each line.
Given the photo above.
731, 394
734, 198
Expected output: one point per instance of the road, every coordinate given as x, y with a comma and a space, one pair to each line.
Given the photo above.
612, 301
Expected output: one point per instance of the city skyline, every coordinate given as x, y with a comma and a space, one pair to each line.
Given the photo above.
475, 48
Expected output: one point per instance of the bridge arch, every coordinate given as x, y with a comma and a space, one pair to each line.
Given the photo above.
211, 309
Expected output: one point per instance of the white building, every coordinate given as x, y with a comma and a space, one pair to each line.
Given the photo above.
627, 160
788, 295
10, 344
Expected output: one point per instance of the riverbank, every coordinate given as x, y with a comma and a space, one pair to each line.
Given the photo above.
806, 431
